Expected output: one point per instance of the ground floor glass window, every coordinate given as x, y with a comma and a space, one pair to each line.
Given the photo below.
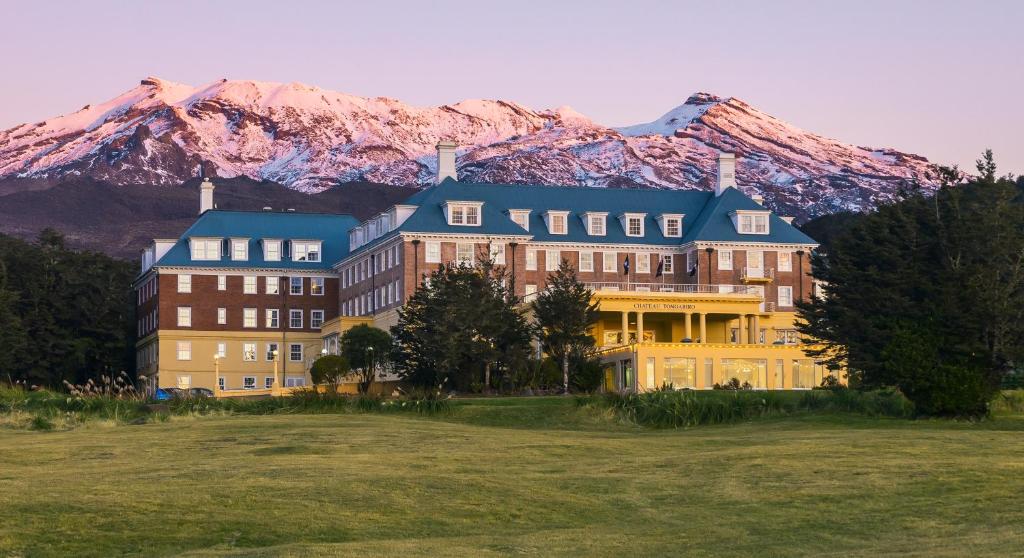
680, 372
753, 371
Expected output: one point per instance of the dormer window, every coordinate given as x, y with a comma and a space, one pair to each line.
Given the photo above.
595, 223
557, 222
205, 249
750, 222
306, 250
465, 214
520, 217
633, 223
671, 224
239, 249
271, 250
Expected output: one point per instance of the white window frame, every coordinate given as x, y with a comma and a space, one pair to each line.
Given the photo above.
725, 260
184, 350
306, 251
529, 289
249, 320
246, 352
460, 253
184, 283
291, 354
552, 258
432, 251
205, 249
643, 262
239, 249
316, 319
586, 261
789, 292
273, 318
597, 223
250, 284
498, 253
610, 262
464, 214
269, 353
557, 222
751, 222
248, 382
271, 250
673, 222
222, 349
520, 217
222, 282
291, 314
531, 259
786, 257
184, 316
313, 282
268, 382
291, 285
669, 263
272, 285
222, 316
627, 220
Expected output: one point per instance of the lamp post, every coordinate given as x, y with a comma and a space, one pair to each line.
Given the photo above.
369, 362
277, 384
216, 375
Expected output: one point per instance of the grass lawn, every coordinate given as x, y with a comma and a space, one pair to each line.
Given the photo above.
513, 476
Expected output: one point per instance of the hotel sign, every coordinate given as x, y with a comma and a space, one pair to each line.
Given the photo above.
662, 306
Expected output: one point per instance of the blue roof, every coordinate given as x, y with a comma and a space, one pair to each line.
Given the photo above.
706, 216
330, 229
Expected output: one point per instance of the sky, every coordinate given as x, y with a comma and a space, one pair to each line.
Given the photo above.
940, 79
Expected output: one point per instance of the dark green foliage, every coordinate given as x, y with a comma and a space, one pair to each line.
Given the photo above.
367, 349
461, 328
673, 409
927, 295
565, 313
826, 228
64, 315
329, 369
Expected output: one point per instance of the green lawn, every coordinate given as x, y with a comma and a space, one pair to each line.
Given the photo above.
507, 477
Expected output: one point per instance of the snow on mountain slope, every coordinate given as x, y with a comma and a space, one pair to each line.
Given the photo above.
309, 139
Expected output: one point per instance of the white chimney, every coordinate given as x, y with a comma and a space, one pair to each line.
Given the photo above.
726, 173
205, 196
446, 161
758, 198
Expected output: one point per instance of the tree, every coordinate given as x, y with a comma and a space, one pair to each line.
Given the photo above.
565, 314
927, 294
366, 348
329, 369
461, 325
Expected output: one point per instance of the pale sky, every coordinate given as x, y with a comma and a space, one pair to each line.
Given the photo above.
937, 78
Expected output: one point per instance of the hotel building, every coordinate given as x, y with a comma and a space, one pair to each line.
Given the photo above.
694, 287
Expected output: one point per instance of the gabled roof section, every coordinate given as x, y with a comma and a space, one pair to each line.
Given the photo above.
330, 229
714, 224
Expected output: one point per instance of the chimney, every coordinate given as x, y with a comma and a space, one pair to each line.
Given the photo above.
726, 173
758, 198
446, 161
205, 196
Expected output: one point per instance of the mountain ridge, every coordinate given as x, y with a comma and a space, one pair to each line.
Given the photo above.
311, 139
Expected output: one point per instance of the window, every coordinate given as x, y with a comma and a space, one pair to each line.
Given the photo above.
586, 261
222, 316
751, 223
272, 250
667, 261
464, 253
184, 350
673, 226
785, 296
295, 352
222, 349
709, 372
633, 223
249, 351
753, 371
643, 263
498, 253
273, 285
295, 319
184, 283
787, 336
295, 287
239, 249
205, 248
273, 318
249, 382
222, 282
306, 250
432, 252
595, 225
294, 381
531, 260
268, 382
761, 224
463, 214
680, 372
609, 262
785, 261
248, 317
184, 316
529, 289
557, 222
249, 284
316, 286
805, 374
221, 384
725, 259
551, 259
520, 217
271, 352
316, 318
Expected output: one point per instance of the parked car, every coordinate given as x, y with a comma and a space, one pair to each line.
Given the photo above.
168, 393
200, 392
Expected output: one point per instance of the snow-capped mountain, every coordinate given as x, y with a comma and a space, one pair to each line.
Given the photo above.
309, 139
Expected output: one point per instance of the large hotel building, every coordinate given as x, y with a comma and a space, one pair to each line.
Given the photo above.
694, 287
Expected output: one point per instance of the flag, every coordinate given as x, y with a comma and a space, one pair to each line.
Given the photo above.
625, 266
661, 268
693, 270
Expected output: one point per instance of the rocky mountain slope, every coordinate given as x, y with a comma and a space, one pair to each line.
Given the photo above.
309, 139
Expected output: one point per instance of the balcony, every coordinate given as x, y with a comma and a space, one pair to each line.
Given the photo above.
684, 288
757, 275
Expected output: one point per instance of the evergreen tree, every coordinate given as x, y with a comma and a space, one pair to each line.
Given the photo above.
366, 348
565, 314
927, 294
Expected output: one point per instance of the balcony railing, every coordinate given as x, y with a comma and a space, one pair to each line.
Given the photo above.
757, 274
686, 288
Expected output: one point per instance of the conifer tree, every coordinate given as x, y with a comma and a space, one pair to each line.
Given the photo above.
564, 314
